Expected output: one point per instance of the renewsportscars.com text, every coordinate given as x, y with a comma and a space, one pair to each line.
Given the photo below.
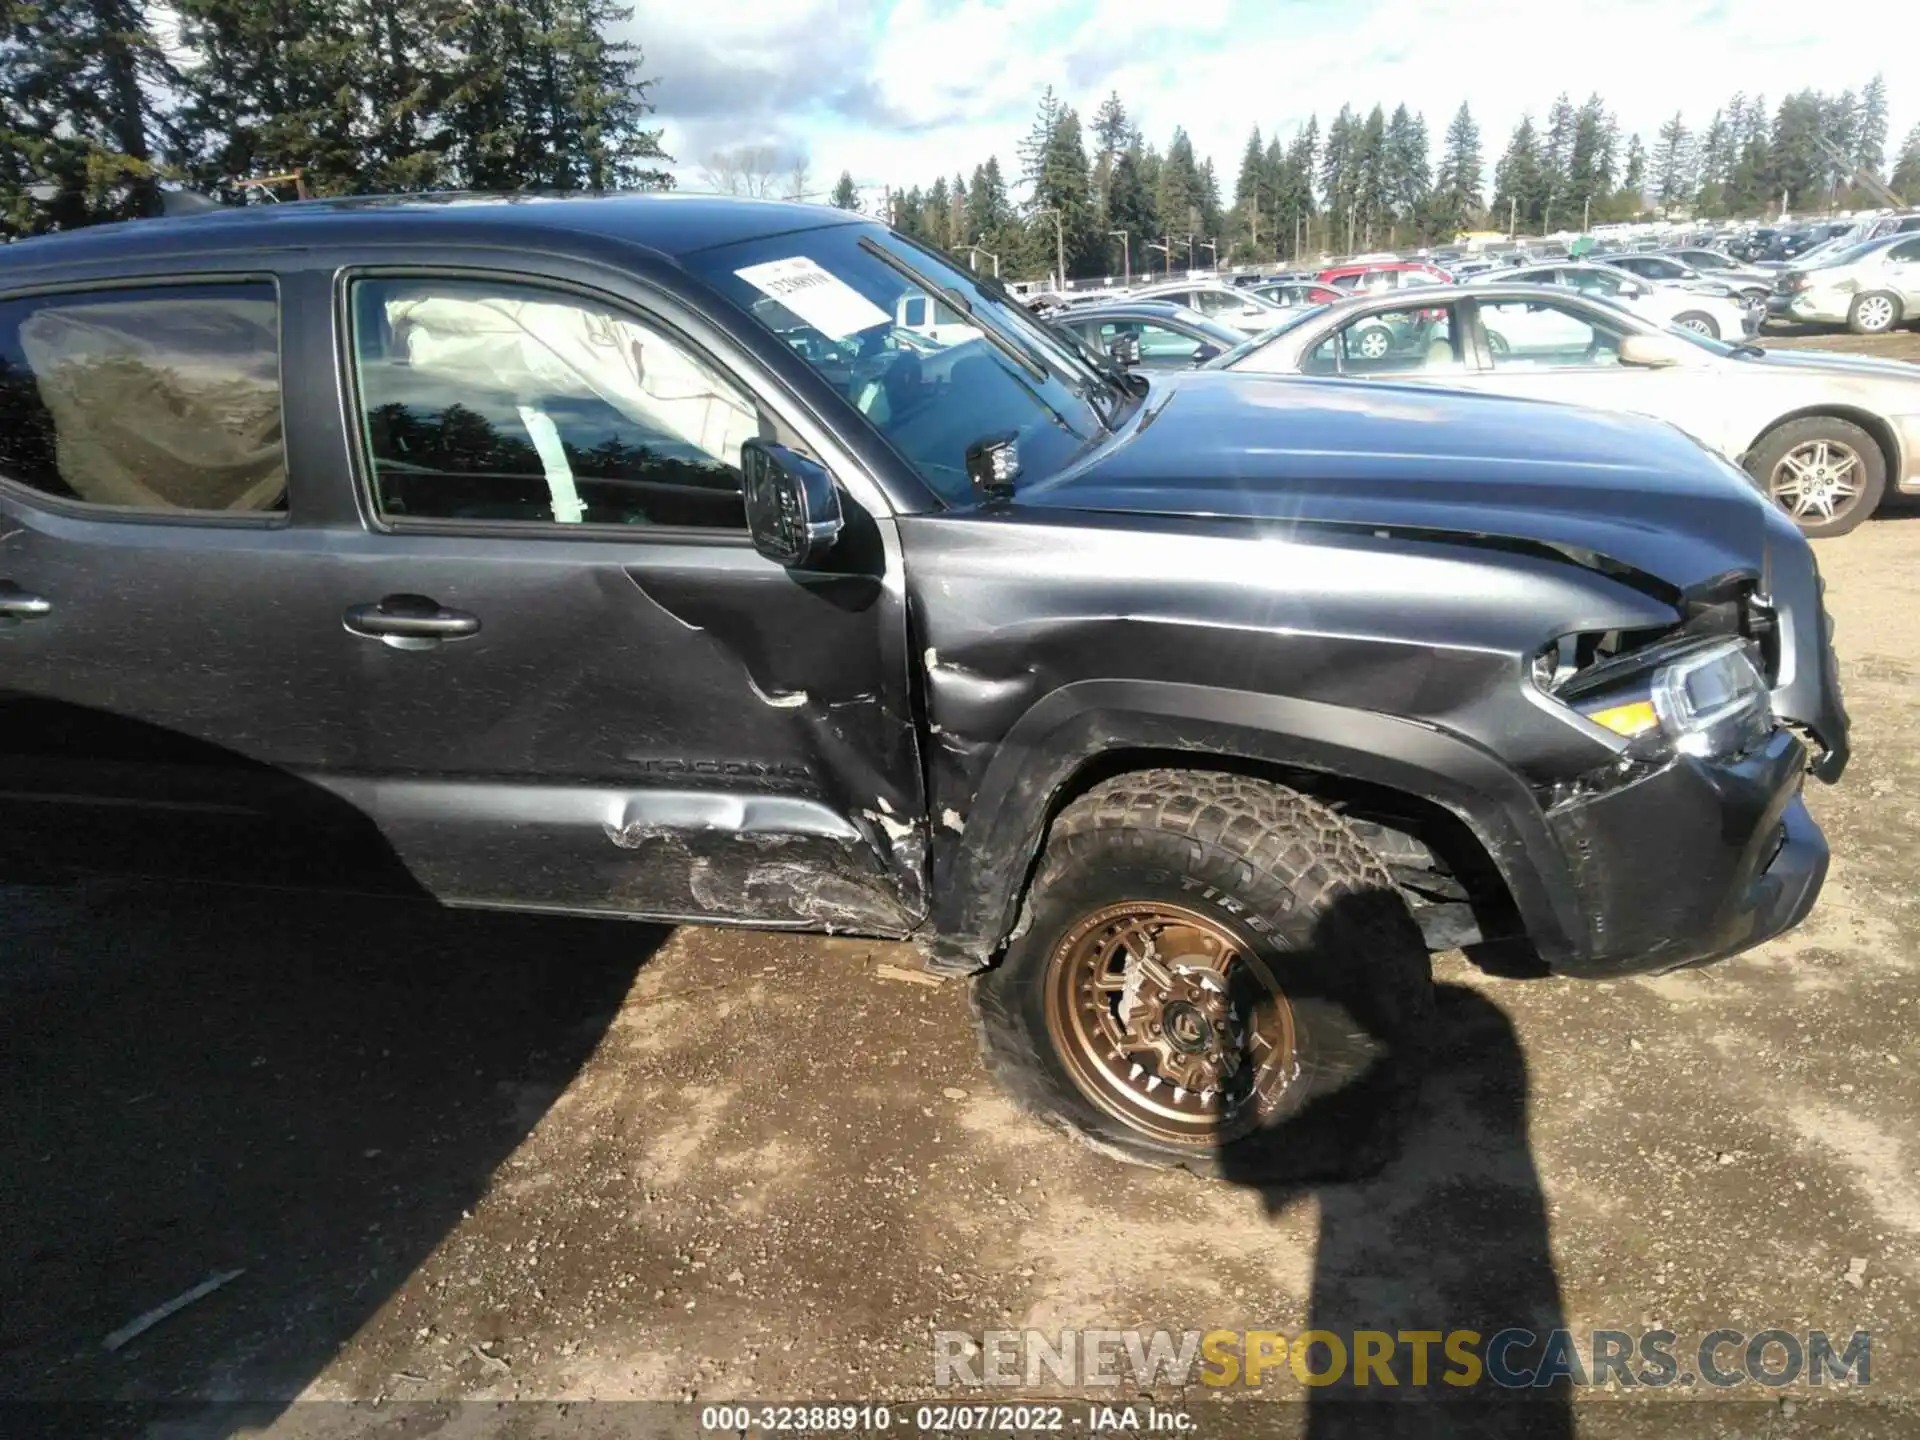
1511, 1359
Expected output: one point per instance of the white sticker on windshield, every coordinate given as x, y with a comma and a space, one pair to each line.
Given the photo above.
817, 296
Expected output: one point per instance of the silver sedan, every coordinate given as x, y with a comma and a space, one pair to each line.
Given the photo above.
1825, 435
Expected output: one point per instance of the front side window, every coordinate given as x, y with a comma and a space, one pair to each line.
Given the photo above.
159, 399
834, 294
483, 401
1540, 335
1596, 281
1905, 253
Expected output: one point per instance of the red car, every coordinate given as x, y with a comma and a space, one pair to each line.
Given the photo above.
1384, 275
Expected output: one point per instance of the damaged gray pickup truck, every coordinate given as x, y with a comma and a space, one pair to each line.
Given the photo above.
701, 559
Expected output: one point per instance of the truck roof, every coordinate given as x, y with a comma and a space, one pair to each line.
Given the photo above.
668, 224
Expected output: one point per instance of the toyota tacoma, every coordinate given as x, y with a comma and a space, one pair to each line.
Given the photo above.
635, 557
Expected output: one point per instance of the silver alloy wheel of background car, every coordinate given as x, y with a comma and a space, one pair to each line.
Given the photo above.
1375, 343
1698, 324
1817, 481
1873, 313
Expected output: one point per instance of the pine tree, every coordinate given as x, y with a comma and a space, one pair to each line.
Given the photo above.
1111, 128
78, 122
1177, 200
1130, 204
1408, 176
1906, 168
1520, 180
1870, 138
1672, 163
1796, 164
1556, 158
1033, 150
1252, 200
845, 195
1589, 178
1631, 198
1457, 193
958, 233
1339, 182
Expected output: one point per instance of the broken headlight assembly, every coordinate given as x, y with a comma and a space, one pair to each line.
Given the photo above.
1689, 696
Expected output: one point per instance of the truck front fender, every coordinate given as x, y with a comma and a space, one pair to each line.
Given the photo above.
981, 870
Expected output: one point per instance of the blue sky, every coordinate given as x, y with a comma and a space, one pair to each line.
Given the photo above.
899, 91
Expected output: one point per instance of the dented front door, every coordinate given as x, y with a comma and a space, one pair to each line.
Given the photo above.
579, 685
671, 730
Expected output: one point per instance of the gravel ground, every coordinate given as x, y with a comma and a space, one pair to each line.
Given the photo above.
470, 1157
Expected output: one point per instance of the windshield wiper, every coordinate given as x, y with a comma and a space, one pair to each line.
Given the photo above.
955, 300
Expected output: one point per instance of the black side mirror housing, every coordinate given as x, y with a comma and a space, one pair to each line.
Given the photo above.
793, 506
1125, 350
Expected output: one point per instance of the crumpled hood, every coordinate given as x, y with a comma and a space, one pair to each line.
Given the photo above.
1293, 451
1285, 451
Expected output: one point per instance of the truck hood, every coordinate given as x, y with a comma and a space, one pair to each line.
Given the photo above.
1285, 451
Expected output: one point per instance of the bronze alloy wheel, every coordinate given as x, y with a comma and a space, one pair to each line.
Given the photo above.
1170, 1024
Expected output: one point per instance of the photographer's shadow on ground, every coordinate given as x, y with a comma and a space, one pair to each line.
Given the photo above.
307, 1089
1432, 1222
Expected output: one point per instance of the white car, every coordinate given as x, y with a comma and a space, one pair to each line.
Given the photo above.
1241, 309
1825, 435
1719, 316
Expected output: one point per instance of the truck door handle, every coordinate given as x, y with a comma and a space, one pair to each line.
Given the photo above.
17, 604
410, 622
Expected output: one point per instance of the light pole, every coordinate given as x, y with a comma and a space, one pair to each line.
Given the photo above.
1190, 250
977, 249
1059, 245
1166, 250
1586, 216
1126, 256
1513, 216
1213, 252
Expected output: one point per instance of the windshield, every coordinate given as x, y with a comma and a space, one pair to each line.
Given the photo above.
1297, 316
932, 372
1845, 254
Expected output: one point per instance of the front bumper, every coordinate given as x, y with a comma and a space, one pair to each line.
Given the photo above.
1698, 860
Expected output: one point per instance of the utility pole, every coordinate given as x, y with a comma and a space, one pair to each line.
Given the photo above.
1213, 252
1513, 216
1586, 216
976, 250
1166, 250
1126, 255
1059, 245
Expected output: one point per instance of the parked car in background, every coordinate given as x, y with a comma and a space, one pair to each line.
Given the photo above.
1288, 294
1150, 335
1188, 712
1716, 316
1824, 435
1383, 275
1244, 310
1720, 266
1753, 287
1869, 288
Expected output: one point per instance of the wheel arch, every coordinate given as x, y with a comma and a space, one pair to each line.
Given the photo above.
1875, 426
1458, 798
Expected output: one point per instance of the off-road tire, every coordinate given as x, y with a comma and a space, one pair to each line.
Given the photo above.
1866, 319
1286, 877
1782, 440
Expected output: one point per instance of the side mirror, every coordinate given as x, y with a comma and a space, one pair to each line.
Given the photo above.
793, 508
1654, 352
1205, 353
1125, 350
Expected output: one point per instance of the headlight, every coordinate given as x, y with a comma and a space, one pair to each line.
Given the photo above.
1693, 697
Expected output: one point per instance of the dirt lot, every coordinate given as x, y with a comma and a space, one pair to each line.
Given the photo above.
460, 1157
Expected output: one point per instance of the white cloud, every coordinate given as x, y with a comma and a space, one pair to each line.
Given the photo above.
901, 92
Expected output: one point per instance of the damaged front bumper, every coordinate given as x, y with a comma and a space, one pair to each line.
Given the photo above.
1693, 862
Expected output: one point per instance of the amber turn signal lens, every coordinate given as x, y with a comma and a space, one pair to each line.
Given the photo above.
1629, 720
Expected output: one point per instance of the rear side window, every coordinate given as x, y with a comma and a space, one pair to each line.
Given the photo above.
158, 400
1905, 252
